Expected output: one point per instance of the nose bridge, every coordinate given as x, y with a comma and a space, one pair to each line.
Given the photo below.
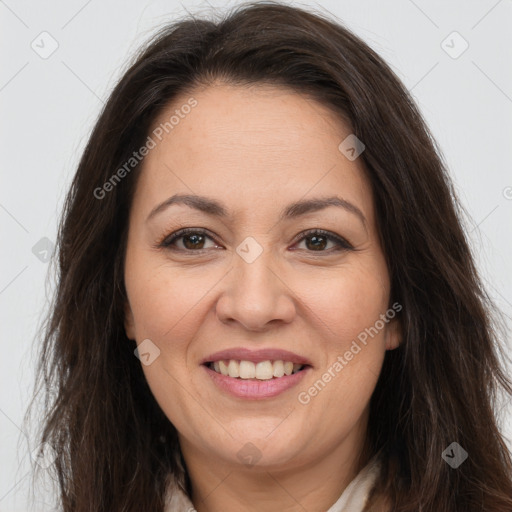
256, 295
254, 272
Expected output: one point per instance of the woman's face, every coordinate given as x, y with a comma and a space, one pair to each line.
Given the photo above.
246, 283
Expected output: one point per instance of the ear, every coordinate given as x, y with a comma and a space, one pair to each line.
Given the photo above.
129, 322
393, 334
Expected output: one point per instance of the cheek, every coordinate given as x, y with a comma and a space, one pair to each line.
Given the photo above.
164, 301
349, 308
346, 303
166, 304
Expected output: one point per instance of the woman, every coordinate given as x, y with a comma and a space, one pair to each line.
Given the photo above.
266, 300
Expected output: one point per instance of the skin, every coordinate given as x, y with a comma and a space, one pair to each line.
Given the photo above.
256, 149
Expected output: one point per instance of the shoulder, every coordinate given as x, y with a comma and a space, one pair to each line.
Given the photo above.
176, 498
356, 495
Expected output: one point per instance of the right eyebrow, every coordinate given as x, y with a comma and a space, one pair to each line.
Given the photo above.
212, 207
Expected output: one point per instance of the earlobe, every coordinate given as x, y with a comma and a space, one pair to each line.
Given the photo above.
129, 322
394, 334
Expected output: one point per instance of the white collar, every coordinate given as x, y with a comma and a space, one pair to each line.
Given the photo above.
352, 499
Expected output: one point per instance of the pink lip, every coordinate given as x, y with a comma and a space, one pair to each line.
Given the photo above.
266, 354
255, 389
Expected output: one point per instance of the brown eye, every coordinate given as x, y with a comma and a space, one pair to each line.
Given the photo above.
317, 240
192, 240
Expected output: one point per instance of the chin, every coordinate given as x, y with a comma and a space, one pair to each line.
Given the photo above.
260, 444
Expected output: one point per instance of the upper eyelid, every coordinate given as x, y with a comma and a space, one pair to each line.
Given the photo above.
341, 241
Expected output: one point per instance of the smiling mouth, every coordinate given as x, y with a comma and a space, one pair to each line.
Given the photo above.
248, 370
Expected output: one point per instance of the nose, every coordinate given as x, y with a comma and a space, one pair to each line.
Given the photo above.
256, 294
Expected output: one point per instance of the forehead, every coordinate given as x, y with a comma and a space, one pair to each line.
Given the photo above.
257, 145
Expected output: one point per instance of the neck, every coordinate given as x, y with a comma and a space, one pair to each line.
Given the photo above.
225, 486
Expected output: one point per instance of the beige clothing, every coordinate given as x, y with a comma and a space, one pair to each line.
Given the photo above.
352, 499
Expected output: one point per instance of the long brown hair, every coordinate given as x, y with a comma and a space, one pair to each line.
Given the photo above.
115, 447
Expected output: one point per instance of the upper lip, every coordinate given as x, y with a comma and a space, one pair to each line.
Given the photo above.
264, 354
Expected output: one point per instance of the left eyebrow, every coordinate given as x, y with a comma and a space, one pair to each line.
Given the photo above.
213, 207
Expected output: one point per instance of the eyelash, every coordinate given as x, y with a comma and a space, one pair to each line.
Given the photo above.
166, 243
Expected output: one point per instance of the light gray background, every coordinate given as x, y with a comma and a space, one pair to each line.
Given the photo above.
48, 107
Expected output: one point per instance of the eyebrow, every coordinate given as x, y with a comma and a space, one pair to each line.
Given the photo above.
213, 207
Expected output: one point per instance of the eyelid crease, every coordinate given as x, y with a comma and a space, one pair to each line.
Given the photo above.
342, 243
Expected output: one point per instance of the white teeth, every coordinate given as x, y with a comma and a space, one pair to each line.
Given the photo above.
278, 368
233, 369
223, 368
247, 370
264, 370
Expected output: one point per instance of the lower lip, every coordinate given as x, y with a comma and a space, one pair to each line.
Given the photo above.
254, 389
